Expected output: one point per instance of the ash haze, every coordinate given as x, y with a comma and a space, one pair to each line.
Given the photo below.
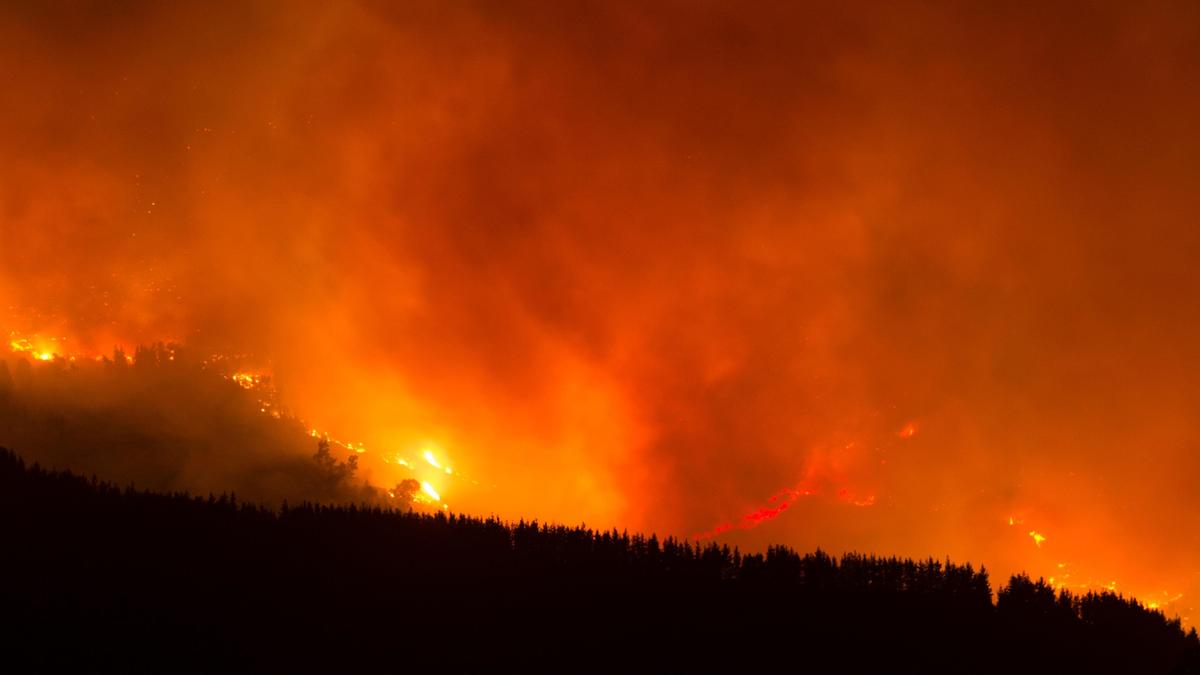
923, 273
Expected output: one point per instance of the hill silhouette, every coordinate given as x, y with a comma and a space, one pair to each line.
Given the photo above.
97, 577
169, 420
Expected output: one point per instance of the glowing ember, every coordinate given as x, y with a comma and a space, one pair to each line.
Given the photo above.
38, 348
248, 380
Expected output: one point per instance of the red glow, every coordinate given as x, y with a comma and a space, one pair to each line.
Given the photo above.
653, 265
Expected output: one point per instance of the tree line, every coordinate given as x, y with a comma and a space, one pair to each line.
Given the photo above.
102, 577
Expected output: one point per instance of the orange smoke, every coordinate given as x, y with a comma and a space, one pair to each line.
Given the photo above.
910, 269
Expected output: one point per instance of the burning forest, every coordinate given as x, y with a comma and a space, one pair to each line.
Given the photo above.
909, 279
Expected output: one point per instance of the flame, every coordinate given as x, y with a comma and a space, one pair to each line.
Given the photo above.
257, 380
429, 490
825, 474
781, 501
817, 481
249, 380
42, 349
430, 459
645, 332
1165, 600
413, 468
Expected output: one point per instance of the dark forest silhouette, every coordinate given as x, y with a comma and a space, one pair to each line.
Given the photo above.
104, 577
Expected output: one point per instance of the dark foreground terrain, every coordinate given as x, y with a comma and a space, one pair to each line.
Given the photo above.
98, 578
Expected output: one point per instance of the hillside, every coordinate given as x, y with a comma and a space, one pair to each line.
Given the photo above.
168, 420
96, 576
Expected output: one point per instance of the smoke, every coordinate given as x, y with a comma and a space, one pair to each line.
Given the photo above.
166, 421
652, 265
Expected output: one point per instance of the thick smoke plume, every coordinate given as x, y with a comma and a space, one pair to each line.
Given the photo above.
921, 274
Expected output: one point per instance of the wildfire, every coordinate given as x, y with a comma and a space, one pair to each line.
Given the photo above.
824, 475
1166, 599
780, 502
39, 348
430, 459
259, 381
427, 466
46, 349
248, 380
429, 490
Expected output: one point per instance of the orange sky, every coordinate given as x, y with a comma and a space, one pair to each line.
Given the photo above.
650, 264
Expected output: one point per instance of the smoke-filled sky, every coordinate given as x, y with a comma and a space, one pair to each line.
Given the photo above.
652, 264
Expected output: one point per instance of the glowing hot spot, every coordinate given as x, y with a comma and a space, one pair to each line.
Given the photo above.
428, 489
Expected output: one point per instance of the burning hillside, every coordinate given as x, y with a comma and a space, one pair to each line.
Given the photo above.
912, 279
162, 418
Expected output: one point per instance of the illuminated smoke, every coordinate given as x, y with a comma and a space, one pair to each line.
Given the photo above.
650, 265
